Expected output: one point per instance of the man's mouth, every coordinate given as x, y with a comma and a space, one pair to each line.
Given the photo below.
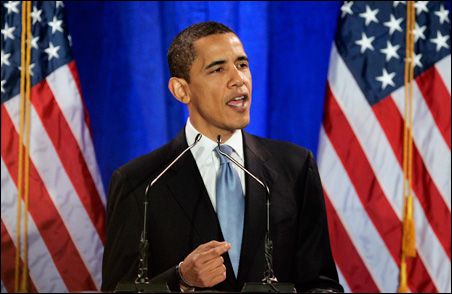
238, 102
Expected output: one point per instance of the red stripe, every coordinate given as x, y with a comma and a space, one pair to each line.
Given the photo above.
69, 153
367, 186
9, 263
345, 255
429, 197
437, 98
46, 217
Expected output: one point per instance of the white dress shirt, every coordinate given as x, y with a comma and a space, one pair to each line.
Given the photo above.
208, 162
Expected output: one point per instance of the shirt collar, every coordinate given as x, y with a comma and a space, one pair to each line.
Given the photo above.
202, 150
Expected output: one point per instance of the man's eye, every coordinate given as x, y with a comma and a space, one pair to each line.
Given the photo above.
220, 69
243, 65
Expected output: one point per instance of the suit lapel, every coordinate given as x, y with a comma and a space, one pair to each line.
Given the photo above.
187, 187
255, 213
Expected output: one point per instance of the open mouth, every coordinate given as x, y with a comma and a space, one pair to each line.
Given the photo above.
239, 102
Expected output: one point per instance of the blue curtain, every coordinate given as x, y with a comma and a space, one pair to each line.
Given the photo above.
120, 49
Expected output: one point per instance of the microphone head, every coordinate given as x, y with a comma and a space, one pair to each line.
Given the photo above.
198, 137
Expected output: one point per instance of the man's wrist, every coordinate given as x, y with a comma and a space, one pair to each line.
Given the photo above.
184, 285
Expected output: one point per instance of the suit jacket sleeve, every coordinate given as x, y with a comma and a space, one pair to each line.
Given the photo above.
124, 223
315, 267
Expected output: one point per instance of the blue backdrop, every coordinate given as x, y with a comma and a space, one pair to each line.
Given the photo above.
120, 49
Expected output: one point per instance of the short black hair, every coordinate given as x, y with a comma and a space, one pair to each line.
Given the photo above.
181, 53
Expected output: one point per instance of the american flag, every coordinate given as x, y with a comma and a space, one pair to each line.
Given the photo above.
361, 144
66, 211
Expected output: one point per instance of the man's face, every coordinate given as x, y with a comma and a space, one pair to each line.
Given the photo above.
220, 86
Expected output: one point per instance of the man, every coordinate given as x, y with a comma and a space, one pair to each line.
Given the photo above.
199, 235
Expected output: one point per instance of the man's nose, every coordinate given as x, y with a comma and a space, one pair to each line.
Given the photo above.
237, 78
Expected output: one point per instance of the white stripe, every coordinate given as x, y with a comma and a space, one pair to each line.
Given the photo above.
65, 91
362, 232
431, 144
42, 269
342, 281
443, 67
4, 290
62, 192
383, 162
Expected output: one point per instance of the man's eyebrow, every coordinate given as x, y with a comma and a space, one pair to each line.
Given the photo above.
218, 62
212, 64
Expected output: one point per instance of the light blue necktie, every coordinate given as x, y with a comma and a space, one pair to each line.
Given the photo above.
230, 205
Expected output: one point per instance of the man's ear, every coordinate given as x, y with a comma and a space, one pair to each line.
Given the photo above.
179, 88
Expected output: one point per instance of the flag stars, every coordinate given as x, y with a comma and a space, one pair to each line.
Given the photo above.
36, 14
8, 32
443, 14
34, 42
419, 32
55, 24
3, 83
52, 51
440, 41
370, 15
394, 24
30, 69
365, 42
417, 60
386, 79
5, 58
346, 8
396, 3
390, 51
421, 6
12, 6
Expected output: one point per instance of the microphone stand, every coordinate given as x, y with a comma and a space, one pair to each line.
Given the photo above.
269, 283
142, 283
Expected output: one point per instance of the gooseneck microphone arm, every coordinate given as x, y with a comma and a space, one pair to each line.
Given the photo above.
142, 277
269, 276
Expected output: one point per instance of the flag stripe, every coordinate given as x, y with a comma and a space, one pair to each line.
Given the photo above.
69, 153
363, 234
437, 98
46, 216
428, 140
49, 279
65, 92
342, 281
368, 188
384, 164
8, 263
62, 193
425, 189
443, 68
347, 258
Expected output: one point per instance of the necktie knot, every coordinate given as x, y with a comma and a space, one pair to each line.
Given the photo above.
225, 149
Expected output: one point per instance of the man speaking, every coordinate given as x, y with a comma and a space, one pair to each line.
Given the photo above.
206, 217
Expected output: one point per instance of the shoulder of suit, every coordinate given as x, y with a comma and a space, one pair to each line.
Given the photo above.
283, 148
143, 167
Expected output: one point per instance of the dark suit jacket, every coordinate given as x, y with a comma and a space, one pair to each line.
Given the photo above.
181, 217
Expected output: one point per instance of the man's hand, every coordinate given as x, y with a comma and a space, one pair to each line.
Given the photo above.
204, 266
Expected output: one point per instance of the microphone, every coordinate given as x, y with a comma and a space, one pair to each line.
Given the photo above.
141, 283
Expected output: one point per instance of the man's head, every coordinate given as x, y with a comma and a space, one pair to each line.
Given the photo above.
210, 74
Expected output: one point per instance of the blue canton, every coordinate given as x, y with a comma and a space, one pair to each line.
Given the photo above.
50, 44
371, 41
